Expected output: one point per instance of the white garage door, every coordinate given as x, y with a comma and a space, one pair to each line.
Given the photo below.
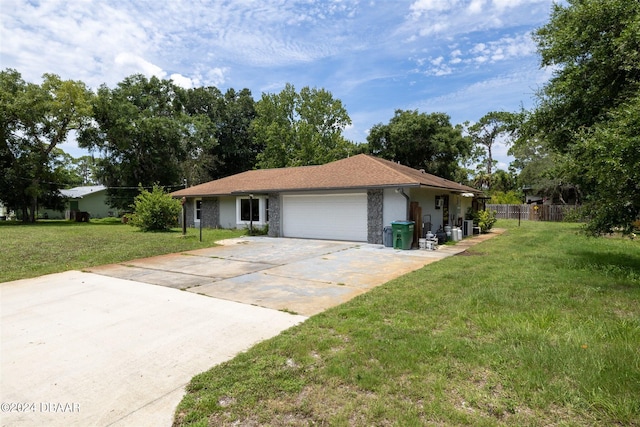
330, 216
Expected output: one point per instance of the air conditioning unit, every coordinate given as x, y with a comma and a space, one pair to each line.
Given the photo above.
439, 203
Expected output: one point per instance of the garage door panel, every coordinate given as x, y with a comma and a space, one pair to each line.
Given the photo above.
335, 217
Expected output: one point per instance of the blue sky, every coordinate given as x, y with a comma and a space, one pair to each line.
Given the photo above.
461, 57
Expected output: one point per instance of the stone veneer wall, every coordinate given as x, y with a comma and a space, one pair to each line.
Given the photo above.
375, 199
274, 215
209, 214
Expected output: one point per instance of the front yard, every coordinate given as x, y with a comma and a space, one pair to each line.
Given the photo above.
31, 250
538, 327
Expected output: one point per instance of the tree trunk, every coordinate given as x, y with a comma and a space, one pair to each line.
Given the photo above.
34, 209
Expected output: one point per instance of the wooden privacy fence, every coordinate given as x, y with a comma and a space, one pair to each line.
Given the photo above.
532, 212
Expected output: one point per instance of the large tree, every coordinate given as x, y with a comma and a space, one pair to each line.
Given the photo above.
35, 119
588, 111
606, 160
421, 141
203, 105
143, 136
237, 149
228, 119
299, 129
484, 134
594, 49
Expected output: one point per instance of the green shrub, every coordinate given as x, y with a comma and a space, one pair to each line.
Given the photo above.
508, 198
485, 220
154, 211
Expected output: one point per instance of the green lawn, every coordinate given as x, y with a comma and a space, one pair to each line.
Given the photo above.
30, 250
539, 326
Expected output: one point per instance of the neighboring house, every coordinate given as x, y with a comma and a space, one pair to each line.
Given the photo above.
350, 199
91, 199
4, 212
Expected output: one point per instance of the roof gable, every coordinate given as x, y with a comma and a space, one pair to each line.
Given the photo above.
357, 172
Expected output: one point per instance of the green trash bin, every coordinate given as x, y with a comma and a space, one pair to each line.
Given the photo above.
402, 234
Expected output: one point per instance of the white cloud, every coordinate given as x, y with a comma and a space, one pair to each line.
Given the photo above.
479, 48
478, 54
421, 6
455, 57
435, 28
216, 76
452, 18
374, 55
504, 4
182, 81
476, 6
505, 92
130, 64
503, 49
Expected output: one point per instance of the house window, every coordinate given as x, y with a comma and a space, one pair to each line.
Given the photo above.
252, 210
198, 210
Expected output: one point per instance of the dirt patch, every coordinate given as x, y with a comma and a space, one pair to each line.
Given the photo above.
467, 253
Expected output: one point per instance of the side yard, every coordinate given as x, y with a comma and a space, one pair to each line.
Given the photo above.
31, 250
539, 326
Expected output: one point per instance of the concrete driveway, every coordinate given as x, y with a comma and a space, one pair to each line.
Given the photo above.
300, 276
110, 347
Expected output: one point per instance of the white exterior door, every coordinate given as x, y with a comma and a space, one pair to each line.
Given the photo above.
325, 216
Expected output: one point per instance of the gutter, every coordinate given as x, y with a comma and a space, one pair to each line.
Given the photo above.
408, 210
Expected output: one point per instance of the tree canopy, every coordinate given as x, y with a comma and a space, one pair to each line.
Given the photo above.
606, 160
35, 119
587, 113
228, 118
594, 49
421, 141
299, 129
484, 134
143, 136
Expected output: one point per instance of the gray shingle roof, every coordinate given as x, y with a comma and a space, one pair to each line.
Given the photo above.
80, 192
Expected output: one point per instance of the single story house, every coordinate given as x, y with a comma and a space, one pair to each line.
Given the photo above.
351, 199
91, 199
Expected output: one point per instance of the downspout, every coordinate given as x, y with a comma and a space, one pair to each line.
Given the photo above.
401, 191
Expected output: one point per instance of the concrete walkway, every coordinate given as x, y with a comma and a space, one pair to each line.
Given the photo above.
112, 348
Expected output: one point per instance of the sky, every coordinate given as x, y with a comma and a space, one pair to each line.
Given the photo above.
464, 58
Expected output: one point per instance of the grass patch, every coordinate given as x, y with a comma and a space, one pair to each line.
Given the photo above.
31, 250
542, 329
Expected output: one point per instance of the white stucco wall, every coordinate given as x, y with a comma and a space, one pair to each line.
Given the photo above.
394, 207
227, 212
426, 198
